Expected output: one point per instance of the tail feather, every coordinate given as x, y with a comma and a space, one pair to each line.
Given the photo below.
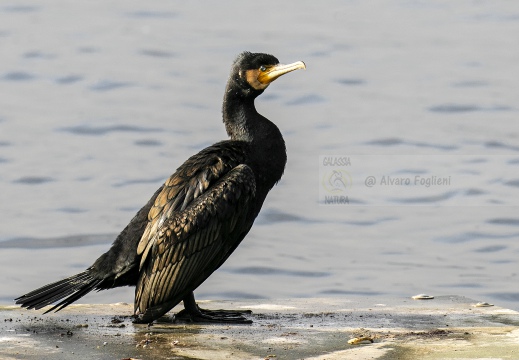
50, 293
69, 289
70, 299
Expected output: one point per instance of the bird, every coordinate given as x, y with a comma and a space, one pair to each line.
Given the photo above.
197, 218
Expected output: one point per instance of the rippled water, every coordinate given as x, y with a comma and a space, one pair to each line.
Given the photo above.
102, 101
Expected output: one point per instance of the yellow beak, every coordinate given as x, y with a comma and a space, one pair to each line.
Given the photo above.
275, 71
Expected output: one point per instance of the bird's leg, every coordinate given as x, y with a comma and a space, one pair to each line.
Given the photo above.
194, 313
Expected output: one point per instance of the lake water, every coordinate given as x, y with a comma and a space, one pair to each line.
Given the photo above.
101, 101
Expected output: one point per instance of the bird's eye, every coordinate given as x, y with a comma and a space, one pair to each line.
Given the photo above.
263, 68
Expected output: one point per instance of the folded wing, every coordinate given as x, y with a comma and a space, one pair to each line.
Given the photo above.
181, 248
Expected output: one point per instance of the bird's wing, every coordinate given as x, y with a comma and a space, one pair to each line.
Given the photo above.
187, 247
190, 181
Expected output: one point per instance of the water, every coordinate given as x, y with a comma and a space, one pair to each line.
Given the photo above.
102, 101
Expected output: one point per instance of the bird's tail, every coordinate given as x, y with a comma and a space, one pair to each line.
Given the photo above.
67, 290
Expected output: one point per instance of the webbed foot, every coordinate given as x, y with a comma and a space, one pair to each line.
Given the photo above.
192, 312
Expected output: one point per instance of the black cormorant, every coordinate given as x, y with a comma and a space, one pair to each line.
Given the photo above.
198, 217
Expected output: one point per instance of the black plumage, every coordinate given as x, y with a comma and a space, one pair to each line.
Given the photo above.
198, 217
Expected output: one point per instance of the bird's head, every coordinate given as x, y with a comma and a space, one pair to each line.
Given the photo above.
253, 72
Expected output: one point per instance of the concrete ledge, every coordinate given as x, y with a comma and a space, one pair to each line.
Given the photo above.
447, 327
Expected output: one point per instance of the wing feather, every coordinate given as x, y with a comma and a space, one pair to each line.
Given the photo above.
195, 240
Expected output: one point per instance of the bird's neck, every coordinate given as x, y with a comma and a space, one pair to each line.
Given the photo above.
239, 114
244, 123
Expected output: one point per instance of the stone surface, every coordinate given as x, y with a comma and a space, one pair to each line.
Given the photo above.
446, 327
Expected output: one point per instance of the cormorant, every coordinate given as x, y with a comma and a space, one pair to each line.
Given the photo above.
198, 217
